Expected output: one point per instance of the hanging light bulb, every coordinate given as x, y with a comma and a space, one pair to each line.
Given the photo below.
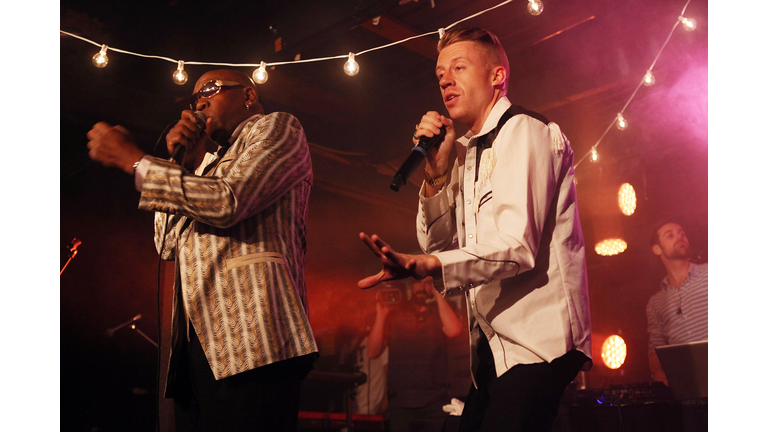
621, 122
260, 75
180, 77
100, 60
535, 7
649, 79
351, 67
593, 156
688, 23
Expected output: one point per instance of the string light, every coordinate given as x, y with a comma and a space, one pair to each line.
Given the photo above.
593, 156
627, 199
260, 75
688, 23
621, 122
649, 79
354, 67
351, 67
100, 60
535, 7
180, 77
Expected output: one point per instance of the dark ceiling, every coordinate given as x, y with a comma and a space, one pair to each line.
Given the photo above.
577, 63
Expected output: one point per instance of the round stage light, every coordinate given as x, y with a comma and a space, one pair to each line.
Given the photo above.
627, 199
614, 352
610, 247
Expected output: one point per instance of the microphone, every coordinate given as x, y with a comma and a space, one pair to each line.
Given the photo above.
414, 159
178, 152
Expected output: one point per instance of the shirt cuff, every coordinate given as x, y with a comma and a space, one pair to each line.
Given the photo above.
141, 172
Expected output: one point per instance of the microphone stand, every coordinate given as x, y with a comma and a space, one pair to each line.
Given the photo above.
72, 252
111, 331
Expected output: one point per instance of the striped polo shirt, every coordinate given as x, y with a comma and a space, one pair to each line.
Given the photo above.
679, 316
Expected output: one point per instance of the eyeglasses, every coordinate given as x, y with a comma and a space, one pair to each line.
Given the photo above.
210, 89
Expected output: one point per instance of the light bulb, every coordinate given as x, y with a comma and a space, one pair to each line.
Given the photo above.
535, 7
688, 23
649, 79
100, 60
351, 67
260, 75
180, 77
593, 156
621, 122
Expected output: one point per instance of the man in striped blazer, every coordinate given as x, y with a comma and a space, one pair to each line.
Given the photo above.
233, 217
678, 312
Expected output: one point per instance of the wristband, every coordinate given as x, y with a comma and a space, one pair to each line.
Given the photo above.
437, 181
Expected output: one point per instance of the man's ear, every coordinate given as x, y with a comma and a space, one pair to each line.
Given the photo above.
656, 249
498, 76
251, 97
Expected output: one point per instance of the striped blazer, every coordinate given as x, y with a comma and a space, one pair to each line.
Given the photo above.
238, 235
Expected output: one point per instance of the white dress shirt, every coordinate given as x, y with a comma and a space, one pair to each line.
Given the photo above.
512, 242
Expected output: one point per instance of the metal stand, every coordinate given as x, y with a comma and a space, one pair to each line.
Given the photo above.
72, 252
111, 331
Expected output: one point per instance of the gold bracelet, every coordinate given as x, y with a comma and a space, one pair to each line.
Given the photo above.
437, 181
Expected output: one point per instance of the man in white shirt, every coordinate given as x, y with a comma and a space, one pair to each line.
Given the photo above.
502, 227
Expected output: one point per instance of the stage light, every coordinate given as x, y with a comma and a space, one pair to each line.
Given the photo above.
627, 199
100, 60
535, 7
649, 79
614, 352
260, 75
180, 77
611, 247
621, 122
593, 156
688, 23
351, 67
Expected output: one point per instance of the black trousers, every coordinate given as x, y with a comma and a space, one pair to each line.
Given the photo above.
524, 399
262, 399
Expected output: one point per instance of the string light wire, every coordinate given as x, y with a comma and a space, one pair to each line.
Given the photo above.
343, 56
440, 32
642, 82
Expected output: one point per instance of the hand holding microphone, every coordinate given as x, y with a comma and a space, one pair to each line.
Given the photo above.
185, 135
433, 130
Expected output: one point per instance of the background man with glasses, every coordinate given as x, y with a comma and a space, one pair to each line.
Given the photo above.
233, 217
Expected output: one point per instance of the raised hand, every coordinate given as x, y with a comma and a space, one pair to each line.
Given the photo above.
397, 265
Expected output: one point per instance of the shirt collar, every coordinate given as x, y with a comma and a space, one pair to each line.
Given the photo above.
501, 106
240, 127
693, 269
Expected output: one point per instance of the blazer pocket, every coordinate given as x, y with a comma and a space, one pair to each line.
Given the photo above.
258, 257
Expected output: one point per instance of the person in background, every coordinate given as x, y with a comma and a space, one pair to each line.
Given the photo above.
415, 333
678, 312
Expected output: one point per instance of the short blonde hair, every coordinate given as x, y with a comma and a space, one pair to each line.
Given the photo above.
495, 54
